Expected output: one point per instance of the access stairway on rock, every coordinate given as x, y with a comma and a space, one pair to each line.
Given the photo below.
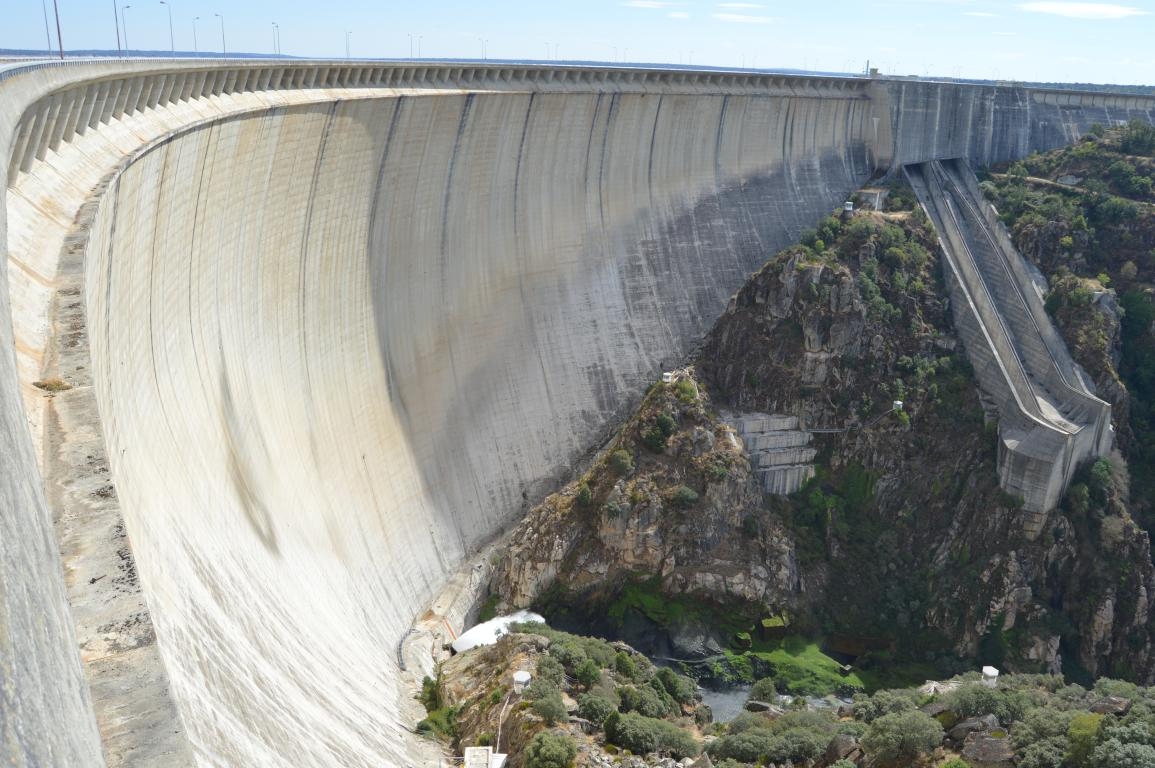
1049, 418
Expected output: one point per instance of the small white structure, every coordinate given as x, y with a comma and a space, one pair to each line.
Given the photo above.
521, 680
848, 206
990, 677
897, 405
488, 632
668, 377
483, 757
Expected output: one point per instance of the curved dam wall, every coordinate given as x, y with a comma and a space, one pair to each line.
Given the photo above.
989, 123
342, 322
335, 344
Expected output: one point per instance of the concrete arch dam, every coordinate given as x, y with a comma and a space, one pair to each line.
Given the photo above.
328, 325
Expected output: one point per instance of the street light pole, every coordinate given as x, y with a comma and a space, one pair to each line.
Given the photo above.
116, 19
47, 34
224, 50
59, 39
171, 38
347, 35
196, 48
124, 26
276, 43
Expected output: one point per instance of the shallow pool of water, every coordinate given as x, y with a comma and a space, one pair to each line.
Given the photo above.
725, 704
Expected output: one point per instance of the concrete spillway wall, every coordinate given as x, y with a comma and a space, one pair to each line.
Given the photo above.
1049, 418
342, 321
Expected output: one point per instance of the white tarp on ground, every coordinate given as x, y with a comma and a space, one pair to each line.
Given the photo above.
487, 632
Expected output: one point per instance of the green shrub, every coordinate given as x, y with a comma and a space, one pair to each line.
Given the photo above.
763, 690
682, 689
624, 665
595, 708
745, 747
551, 670
1082, 734
666, 424
882, 703
644, 700
430, 696
439, 723
654, 439
902, 735
1116, 754
551, 708
588, 673
955, 762
684, 497
550, 750
541, 688
584, 495
975, 699
687, 391
621, 463
1047, 753
569, 652
1039, 724
642, 735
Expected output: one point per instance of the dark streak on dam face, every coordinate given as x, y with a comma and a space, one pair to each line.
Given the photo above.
431, 289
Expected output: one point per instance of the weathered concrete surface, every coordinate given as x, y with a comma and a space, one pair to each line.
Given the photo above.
1050, 420
343, 320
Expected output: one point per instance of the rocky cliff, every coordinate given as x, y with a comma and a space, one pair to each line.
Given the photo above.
903, 540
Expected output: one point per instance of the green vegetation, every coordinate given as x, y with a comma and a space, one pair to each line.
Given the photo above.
550, 750
902, 735
488, 609
621, 463
642, 735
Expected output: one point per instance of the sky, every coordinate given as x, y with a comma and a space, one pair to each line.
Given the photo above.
1035, 41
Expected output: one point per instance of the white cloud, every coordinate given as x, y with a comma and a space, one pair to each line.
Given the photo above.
741, 18
740, 6
1084, 10
647, 4
678, 15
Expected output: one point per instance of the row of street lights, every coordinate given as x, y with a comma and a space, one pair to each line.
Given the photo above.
122, 29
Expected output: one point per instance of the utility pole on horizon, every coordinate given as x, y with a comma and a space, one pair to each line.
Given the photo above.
59, 39
171, 37
124, 26
224, 50
196, 48
116, 19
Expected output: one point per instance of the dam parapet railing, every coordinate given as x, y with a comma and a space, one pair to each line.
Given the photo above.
1049, 420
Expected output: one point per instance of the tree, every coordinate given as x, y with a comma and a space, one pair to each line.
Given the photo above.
588, 673
1113, 753
902, 735
551, 708
682, 689
595, 708
550, 750
624, 665
764, 690
621, 462
684, 496
1082, 735
882, 703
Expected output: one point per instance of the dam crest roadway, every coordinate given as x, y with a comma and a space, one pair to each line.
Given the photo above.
323, 329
